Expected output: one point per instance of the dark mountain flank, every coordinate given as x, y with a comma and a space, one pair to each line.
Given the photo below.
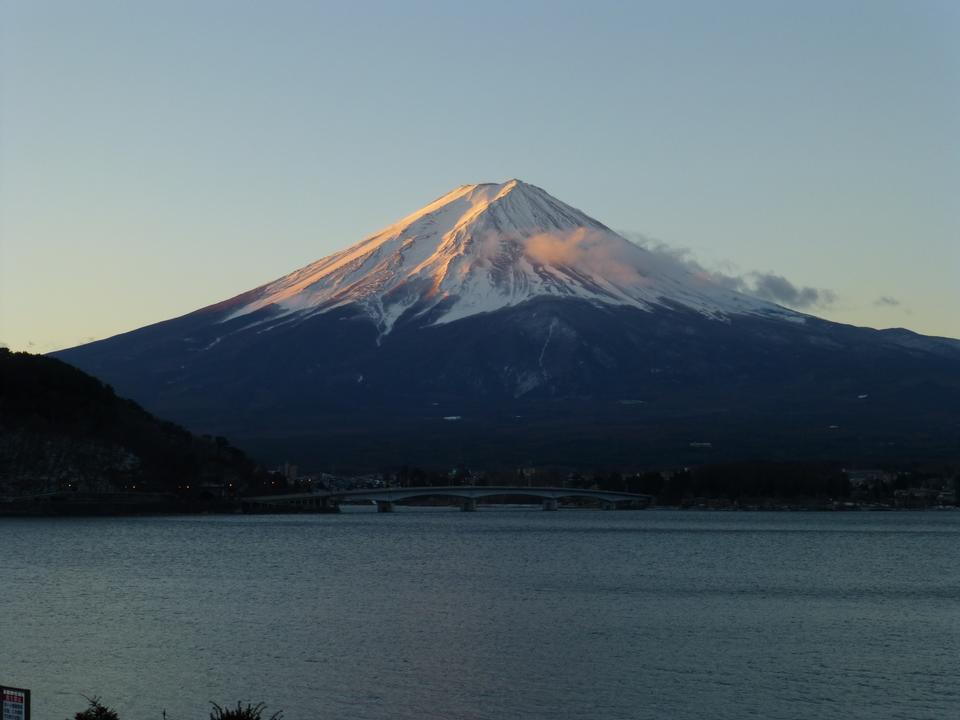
500, 327
63, 431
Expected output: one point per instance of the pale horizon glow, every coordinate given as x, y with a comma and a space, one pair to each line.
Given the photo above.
158, 158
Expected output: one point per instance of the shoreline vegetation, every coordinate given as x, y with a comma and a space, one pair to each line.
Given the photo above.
69, 446
96, 710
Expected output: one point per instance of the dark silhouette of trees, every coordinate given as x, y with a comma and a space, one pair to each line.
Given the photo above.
247, 712
768, 480
66, 426
96, 711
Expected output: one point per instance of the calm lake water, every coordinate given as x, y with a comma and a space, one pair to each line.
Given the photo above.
434, 613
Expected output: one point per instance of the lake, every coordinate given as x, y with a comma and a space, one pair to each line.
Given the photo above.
503, 613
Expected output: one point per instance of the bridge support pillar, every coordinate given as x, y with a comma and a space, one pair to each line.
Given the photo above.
469, 505
550, 504
384, 506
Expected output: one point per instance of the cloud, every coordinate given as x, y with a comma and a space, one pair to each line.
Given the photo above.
764, 285
887, 301
777, 288
627, 264
671, 253
596, 251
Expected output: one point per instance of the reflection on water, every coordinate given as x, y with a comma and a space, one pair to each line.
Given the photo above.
433, 613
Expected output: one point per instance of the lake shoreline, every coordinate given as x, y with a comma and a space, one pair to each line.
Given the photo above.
156, 504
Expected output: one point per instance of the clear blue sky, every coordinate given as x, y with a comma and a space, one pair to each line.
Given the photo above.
160, 156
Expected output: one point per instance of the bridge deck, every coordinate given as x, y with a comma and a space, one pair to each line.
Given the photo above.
466, 492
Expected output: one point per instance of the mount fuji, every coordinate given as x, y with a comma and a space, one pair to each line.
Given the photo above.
498, 325
482, 248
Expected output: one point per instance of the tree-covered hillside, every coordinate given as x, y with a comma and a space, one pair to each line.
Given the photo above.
63, 430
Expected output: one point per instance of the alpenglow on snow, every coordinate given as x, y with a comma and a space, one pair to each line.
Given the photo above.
484, 247
499, 327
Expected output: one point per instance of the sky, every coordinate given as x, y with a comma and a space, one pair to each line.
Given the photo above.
159, 157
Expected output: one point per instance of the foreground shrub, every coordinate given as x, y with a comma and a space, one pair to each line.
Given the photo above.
96, 711
250, 712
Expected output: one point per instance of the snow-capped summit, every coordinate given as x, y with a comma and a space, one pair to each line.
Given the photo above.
483, 247
547, 337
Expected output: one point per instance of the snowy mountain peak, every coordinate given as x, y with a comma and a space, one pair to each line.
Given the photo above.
487, 246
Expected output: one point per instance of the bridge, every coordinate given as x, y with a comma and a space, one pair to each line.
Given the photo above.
468, 495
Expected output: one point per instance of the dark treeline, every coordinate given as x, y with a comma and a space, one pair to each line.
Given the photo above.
736, 482
733, 480
61, 429
749, 480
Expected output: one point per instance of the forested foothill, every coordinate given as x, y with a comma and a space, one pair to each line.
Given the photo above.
66, 439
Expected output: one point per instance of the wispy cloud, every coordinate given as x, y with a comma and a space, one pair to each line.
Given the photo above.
589, 249
778, 289
765, 285
887, 301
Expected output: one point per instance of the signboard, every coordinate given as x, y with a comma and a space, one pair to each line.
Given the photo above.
14, 703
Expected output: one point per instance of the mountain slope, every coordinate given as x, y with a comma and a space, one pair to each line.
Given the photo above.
62, 430
485, 247
499, 325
